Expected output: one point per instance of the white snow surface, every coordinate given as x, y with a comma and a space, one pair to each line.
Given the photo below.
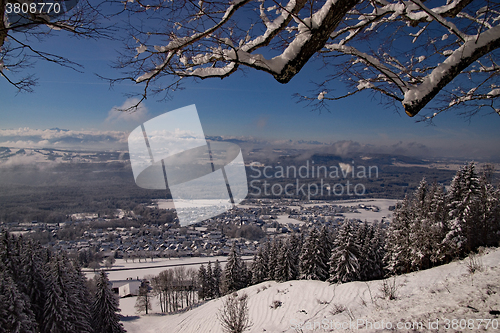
440, 293
123, 270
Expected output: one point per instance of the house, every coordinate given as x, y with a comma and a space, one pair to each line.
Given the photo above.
130, 288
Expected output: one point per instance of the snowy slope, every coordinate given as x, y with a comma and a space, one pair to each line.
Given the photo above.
445, 292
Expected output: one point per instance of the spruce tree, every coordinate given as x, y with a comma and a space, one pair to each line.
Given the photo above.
377, 245
285, 268
217, 278
210, 281
273, 258
312, 263
78, 297
344, 264
105, 308
295, 242
489, 230
202, 277
15, 308
362, 238
437, 216
233, 279
398, 245
57, 316
32, 278
463, 207
259, 267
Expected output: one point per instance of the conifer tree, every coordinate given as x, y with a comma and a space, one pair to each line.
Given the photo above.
78, 298
210, 281
259, 267
266, 253
325, 243
377, 245
15, 308
233, 279
312, 265
285, 268
398, 245
344, 264
105, 308
273, 258
489, 230
362, 239
463, 211
421, 231
204, 283
296, 249
217, 278
32, 278
57, 317
437, 216
246, 275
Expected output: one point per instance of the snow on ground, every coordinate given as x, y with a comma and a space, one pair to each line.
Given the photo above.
443, 293
123, 270
366, 215
284, 219
127, 306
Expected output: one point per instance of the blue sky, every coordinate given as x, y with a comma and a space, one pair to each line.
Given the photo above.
250, 104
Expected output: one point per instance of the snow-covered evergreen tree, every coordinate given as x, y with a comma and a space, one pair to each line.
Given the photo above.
32, 278
369, 238
210, 292
272, 255
105, 308
398, 245
233, 277
246, 274
325, 243
204, 282
377, 245
421, 231
295, 249
217, 278
489, 232
285, 269
15, 308
312, 265
57, 316
362, 239
463, 212
259, 267
344, 263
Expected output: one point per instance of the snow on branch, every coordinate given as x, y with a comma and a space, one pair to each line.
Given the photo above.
408, 51
473, 48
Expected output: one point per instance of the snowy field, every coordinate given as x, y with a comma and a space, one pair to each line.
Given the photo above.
368, 215
363, 215
169, 203
443, 293
123, 270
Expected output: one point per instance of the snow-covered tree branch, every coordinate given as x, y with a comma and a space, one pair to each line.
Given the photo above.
417, 54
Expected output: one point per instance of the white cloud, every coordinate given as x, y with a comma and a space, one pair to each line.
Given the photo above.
57, 138
138, 116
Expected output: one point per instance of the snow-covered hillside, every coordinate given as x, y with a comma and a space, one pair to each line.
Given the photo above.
430, 297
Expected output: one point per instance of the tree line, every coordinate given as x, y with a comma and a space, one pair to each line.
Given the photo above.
431, 226
45, 292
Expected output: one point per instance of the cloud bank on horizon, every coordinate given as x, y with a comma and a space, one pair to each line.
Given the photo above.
63, 139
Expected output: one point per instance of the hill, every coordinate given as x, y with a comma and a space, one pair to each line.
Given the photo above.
434, 296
